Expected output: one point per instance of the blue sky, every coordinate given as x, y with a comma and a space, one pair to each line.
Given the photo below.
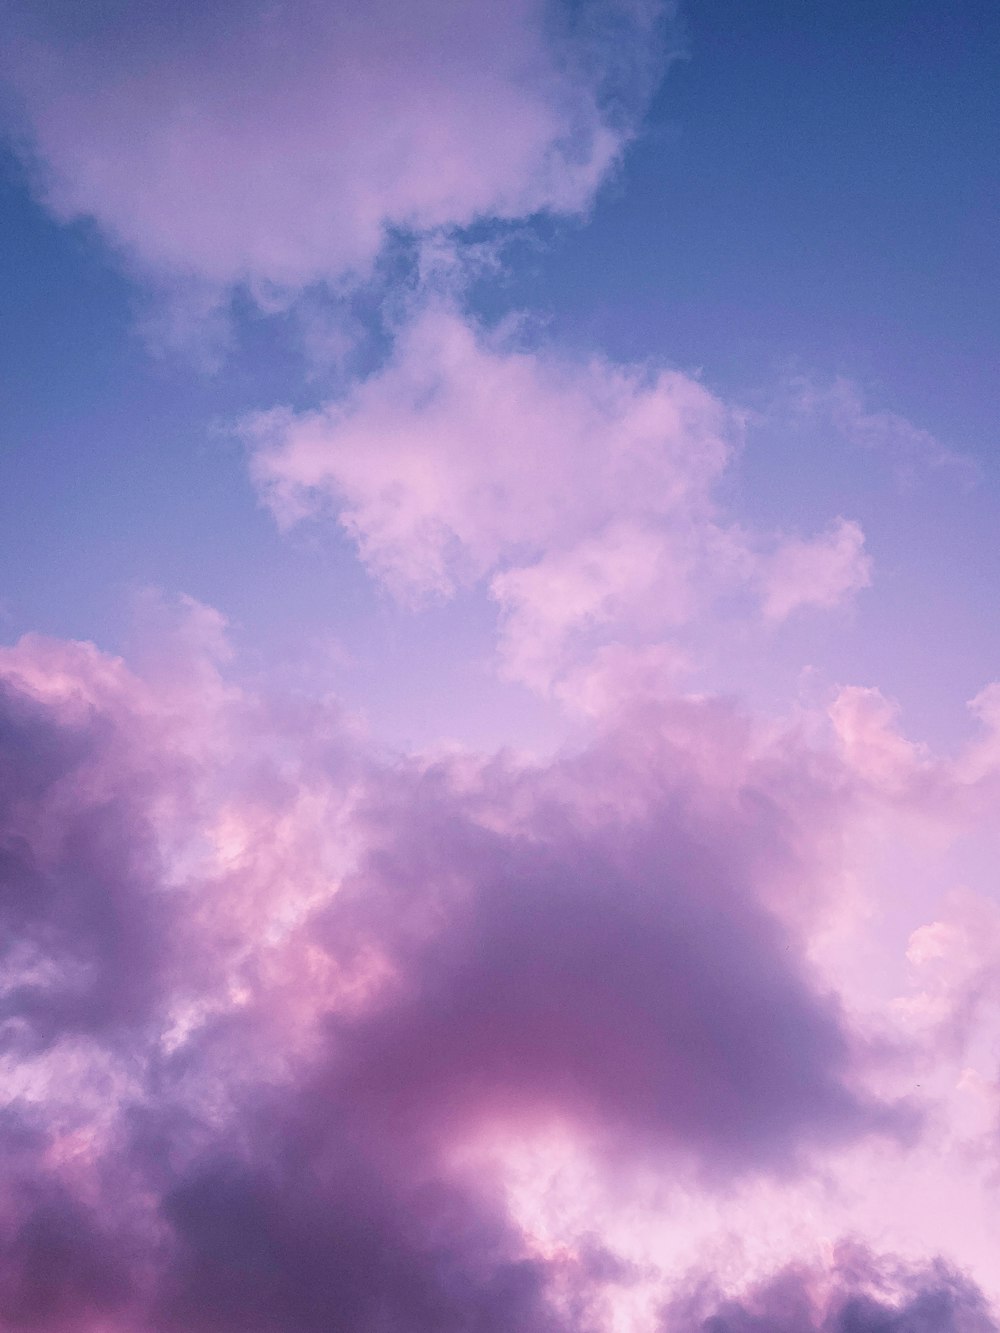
812, 194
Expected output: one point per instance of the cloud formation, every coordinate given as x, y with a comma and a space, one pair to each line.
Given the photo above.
275, 144
818, 572
311, 981
280, 1012
81, 942
857, 1293
582, 492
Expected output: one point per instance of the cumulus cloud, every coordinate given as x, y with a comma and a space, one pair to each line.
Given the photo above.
574, 943
275, 144
80, 941
277, 1009
953, 790
308, 979
464, 451
583, 492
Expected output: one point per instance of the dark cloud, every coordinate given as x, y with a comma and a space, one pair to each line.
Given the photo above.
303, 1241
618, 969
860, 1294
59, 1268
82, 928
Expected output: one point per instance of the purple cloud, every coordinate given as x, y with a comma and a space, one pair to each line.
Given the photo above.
858, 1293
276, 143
586, 940
581, 492
83, 931
614, 967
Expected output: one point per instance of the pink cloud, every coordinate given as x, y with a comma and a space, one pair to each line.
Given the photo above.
867, 726
465, 451
955, 962
275, 143
858, 1292
605, 580
954, 790
271, 998
820, 571
304, 977
582, 491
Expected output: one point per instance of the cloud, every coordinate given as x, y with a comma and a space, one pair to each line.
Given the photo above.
821, 571
276, 143
465, 451
857, 1293
912, 451
950, 790
81, 942
279, 1009
608, 580
319, 1239
308, 979
600, 964
581, 491
59, 1268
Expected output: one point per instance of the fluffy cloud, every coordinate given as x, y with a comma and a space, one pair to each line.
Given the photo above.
280, 1013
818, 572
309, 981
81, 942
275, 143
464, 452
582, 491
857, 1293
957, 788
576, 941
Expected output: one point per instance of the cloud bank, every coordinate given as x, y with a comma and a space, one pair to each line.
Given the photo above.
296, 984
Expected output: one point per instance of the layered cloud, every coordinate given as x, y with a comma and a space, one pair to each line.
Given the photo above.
275, 144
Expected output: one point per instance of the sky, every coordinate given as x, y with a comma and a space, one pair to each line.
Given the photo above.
499, 678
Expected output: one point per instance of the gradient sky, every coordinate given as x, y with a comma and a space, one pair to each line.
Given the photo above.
500, 678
